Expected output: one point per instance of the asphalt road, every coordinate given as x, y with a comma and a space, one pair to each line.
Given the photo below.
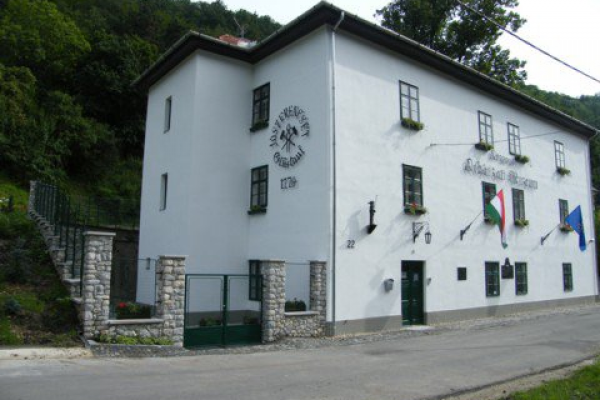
402, 368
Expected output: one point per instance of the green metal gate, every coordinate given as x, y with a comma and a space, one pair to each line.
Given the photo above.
219, 312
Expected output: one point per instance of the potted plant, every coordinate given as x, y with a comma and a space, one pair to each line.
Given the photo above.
520, 158
563, 171
258, 125
484, 146
412, 124
414, 209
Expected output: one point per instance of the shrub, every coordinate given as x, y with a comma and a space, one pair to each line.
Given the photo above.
134, 340
12, 306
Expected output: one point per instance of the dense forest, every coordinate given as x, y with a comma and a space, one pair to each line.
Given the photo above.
68, 111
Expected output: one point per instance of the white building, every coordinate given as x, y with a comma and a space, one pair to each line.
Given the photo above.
325, 96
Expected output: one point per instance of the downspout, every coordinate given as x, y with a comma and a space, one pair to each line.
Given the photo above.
593, 215
334, 172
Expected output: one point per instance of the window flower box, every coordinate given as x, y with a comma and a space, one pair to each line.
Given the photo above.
484, 146
563, 171
412, 124
488, 220
521, 159
257, 210
521, 222
259, 125
414, 209
566, 228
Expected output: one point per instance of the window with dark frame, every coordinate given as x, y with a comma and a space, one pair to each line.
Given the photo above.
518, 196
563, 210
492, 279
489, 192
168, 106
409, 102
486, 133
260, 104
559, 154
514, 139
254, 281
164, 183
520, 278
461, 273
259, 188
413, 185
567, 277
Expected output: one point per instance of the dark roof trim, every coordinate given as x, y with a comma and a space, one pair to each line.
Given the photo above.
327, 14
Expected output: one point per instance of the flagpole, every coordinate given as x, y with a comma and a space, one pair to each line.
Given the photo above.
464, 231
548, 234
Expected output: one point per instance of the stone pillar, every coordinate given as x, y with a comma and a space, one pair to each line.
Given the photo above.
318, 289
273, 299
31, 203
95, 294
170, 296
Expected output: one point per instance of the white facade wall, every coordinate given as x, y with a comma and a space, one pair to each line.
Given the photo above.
371, 149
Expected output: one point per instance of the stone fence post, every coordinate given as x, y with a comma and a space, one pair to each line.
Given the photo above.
31, 203
95, 293
318, 289
273, 299
170, 296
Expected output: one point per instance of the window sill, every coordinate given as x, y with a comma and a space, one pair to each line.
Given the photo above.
258, 126
258, 211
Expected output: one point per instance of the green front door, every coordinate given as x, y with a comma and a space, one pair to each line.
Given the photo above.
412, 293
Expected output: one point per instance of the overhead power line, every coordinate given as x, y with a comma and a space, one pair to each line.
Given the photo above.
527, 42
497, 141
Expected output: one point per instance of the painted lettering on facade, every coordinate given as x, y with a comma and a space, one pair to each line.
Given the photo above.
483, 170
290, 127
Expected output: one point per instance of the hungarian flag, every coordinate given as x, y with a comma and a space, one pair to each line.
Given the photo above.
496, 211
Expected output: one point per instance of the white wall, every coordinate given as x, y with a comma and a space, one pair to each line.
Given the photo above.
372, 146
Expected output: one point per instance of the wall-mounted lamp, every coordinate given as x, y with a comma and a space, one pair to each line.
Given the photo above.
388, 284
371, 227
418, 228
507, 270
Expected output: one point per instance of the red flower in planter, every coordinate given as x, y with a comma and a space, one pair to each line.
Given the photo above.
122, 305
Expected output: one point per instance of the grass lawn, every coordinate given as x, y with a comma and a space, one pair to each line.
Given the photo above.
583, 385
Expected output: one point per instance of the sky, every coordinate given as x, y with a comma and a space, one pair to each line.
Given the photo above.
567, 30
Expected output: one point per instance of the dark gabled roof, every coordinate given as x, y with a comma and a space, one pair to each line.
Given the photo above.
328, 14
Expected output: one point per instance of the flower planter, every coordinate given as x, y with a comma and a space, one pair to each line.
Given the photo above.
522, 222
521, 159
259, 125
412, 124
484, 146
563, 171
566, 228
415, 210
257, 210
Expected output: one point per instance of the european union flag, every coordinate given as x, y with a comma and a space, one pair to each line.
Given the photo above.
576, 222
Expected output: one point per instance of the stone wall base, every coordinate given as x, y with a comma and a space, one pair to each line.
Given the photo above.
377, 324
302, 324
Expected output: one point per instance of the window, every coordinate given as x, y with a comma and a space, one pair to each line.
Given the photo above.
259, 188
409, 102
164, 182
461, 273
413, 185
254, 281
486, 134
563, 210
520, 278
559, 154
567, 277
492, 279
260, 104
518, 196
489, 192
514, 139
168, 105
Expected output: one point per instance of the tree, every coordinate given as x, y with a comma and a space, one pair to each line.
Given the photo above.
34, 34
461, 33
